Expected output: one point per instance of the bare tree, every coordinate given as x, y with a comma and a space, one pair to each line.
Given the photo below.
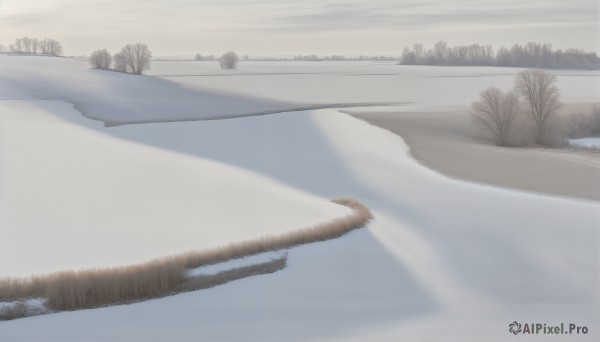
101, 59
419, 51
2, 48
44, 46
440, 50
541, 97
17, 46
497, 113
50, 47
133, 58
120, 64
229, 60
26, 44
55, 48
35, 45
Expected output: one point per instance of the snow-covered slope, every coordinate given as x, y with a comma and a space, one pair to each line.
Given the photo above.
443, 261
116, 98
74, 196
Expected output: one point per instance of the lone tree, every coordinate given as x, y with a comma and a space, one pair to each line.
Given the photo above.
35, 44
497, 113
101, 59
229, 60
133, 58
27, 42
17, 46
120, 64
541, 97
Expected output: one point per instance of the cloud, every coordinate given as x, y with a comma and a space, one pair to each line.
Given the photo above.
411, 15
318, 23
321, 15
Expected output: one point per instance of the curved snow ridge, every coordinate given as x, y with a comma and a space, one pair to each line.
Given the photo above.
72, 290
207, 117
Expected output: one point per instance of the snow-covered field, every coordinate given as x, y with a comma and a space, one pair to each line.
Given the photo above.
443, 260
425, 87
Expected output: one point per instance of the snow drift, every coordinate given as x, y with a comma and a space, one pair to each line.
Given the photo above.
75, 197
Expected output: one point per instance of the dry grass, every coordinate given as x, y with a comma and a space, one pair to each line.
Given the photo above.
320, 232
98, 287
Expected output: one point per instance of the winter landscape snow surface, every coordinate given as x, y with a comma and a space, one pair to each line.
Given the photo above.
78, 197
368, 82
443, 259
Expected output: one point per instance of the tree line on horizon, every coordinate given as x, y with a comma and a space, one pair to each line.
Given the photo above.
530, 55
26, 45
312, 58
343, 58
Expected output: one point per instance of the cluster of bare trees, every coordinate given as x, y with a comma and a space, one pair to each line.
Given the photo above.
530, 110
44, 46
229, 60
441, 54
530, 55
536, 55
132, 59
101, 59
200, 57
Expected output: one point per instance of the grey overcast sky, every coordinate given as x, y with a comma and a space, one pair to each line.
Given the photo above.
282, 27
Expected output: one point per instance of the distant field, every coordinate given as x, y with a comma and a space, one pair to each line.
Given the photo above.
346, 82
